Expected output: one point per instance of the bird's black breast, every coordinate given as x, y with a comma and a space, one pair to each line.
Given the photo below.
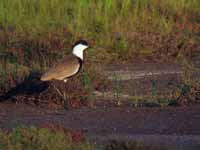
81, 64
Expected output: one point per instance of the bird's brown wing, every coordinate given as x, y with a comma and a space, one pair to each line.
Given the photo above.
67, 67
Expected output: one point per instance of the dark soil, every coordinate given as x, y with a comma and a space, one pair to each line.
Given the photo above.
101, 121
106, 120
179, 124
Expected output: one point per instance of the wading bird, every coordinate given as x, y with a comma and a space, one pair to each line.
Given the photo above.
69, 66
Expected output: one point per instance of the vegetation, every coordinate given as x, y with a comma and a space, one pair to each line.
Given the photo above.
118, 28
34, 34
53, 138
40, 139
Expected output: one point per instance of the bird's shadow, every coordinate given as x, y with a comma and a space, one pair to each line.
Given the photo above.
31, 85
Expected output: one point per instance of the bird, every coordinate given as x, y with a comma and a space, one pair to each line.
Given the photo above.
66, 68
69, 66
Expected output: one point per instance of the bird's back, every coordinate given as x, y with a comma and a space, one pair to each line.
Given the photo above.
67, 67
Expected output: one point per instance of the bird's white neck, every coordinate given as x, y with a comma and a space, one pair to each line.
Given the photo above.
78, 50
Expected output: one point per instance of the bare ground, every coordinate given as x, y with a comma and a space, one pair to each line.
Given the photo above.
169, 125
178, 127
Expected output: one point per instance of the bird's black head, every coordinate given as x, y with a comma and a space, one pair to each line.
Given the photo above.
80, 42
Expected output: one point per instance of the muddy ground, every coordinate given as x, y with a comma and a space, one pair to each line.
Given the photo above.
177, 126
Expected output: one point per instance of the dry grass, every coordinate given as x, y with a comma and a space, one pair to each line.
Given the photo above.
113, 25
35, 34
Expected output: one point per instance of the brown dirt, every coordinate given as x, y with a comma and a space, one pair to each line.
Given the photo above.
170, 126
126, 120
108, 120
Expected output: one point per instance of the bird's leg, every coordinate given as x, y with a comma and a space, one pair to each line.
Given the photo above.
66, 102
60, 93
63, 96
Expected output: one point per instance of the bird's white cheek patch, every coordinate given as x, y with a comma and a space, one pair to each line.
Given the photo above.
78, 50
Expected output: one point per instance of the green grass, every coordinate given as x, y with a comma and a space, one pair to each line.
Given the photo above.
83, 15
111, 23
39, 139
114, 25
47, 139
34, 34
